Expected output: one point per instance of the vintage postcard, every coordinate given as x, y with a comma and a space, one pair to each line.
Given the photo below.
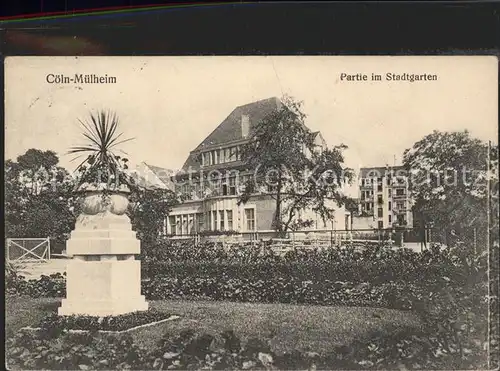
251, 212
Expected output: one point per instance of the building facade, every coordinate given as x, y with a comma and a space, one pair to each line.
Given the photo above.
214, 176
383, 198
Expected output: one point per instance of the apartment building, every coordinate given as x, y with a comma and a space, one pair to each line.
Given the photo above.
384, 197
214, 175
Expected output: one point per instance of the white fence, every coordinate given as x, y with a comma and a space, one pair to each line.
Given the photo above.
28, 249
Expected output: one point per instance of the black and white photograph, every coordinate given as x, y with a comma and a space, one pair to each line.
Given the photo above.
251, 212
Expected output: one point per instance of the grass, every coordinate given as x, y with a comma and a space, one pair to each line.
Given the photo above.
287, 326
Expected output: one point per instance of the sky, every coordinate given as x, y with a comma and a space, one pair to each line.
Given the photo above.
170, 104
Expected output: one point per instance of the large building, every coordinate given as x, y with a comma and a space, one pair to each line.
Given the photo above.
213, 176
384, 198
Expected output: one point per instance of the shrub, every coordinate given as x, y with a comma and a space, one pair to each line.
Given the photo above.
189, 351
53, 286
106, 323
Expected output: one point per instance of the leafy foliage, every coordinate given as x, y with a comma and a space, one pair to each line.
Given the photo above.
101, 164
107, 323
148, 209
52, 286
39, 201
449, 182
447, 288
289, 162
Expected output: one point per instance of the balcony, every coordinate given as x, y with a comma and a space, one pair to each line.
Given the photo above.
400, 209
396, 195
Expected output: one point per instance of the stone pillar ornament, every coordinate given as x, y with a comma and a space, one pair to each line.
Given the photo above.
103, 278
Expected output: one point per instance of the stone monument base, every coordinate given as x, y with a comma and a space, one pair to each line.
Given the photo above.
103, 278
103, 288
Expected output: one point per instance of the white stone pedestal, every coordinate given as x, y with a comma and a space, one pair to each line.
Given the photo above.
103, 278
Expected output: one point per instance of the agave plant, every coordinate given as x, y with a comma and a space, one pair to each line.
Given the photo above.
101, 163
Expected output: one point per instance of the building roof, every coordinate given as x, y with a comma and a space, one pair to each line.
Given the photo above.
163, 174
149, 176
230, 130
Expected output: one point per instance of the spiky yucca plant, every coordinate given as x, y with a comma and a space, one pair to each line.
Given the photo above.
101, 164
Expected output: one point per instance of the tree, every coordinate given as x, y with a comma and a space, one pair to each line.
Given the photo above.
35, 167
148, 210
448, 182
38, 197
290, 165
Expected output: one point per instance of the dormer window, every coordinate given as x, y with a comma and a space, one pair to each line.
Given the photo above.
220, 156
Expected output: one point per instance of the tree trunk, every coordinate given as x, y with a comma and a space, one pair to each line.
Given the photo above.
277, 215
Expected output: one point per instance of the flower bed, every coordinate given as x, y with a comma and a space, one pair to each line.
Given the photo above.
118, 323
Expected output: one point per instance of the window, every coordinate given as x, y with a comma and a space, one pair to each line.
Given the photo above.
206, 159
389, 191
390, 218
362, 182
380, 224
200, 220
272, 188
400, 205
191, 224
250, 217
184, 224
390, 206
232, 154
221, 221
368, 206
380, 199
400, 192
232, 186
214, 220
379, 188
173, 225
380, 212
229, 219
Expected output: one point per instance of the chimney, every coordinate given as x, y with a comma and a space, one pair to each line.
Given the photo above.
245, 125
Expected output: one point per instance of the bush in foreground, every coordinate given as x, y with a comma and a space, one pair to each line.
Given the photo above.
417, 350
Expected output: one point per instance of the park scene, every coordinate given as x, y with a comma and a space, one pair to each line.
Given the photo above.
266, 250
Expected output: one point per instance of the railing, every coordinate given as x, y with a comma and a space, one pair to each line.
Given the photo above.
318, 239
395, 195
27, 249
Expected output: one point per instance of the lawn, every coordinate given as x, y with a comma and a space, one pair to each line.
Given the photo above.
287, 326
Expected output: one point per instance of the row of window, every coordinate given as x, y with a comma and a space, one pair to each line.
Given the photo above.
218, 187
369, 194
401, 220
216, 220
400, 205
368, 182
221, 156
